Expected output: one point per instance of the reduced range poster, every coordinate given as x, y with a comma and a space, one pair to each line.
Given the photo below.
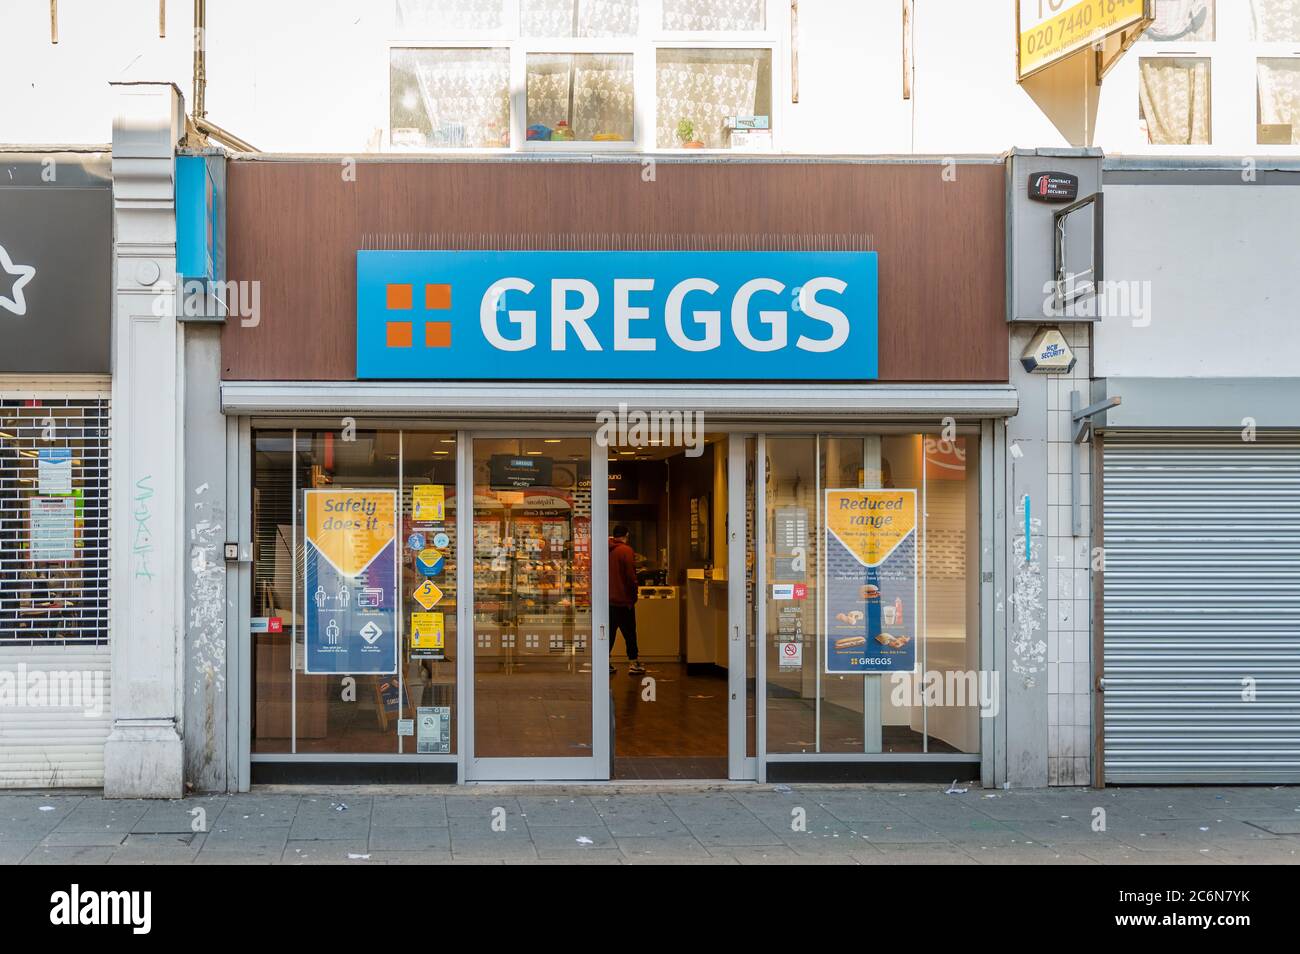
870, 581
350, 571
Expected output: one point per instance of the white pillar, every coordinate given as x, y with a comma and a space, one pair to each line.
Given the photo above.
143, 754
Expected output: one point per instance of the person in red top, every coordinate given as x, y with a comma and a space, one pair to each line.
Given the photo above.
622, 596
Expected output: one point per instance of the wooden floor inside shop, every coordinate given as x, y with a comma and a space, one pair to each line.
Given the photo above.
682, 734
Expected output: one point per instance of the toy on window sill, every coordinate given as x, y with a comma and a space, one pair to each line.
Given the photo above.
538, 132
562, 132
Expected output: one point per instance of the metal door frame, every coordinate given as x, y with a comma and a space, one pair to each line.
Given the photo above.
740, 765
530, 768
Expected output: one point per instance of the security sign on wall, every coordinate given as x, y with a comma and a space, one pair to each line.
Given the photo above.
617, 315
1048, 353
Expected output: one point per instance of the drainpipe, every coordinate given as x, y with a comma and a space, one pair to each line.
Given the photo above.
201, 129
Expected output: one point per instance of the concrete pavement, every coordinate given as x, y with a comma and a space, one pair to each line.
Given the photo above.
663, 823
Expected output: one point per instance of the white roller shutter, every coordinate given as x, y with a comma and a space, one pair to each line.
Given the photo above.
48, 745
1202, 602
54, 641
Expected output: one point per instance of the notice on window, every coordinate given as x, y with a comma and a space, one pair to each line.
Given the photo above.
433, 730
428, 503
790, 537
53, 529
428, 635
350, 581
870, 581
54, 471
1051, 30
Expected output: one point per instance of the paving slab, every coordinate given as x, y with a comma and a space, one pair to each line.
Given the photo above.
410, 839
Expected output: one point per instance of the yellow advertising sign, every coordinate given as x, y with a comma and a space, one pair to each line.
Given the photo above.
428, 631
1050, 30
427, 594
428, 503
351, 527
871, 523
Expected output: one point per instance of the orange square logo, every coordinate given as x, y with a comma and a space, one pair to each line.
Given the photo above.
398, 333
398, 296
437, 334
437, 297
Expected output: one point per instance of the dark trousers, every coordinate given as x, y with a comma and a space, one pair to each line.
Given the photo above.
623, 618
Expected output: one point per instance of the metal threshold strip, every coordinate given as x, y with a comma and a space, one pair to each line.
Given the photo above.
507, 400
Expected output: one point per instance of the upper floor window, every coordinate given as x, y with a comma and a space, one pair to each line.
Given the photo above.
714, 16
551, 18
447, 16
591, 74
1277, 101
449, 98
700, 92
580, 97
1174, 99
1275, 21
1182, 21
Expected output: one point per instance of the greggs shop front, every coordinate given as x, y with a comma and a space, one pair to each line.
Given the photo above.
613, 470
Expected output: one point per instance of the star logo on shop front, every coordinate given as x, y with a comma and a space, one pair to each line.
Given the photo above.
16, 302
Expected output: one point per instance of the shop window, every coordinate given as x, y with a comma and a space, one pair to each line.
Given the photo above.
1174, 100
1275, 21
340, 712
700, 91
714, 16
54, 460
578, 18
451, 15
812, 710
1182, 21
449, 98
580, 97
1277, 101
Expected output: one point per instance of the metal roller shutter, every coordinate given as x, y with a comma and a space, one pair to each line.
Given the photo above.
1202, 596
54, 648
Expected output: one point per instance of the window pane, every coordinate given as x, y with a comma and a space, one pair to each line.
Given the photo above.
428, 540
1278, 101
714, 16
578, 17
449, 98
1182, 21
448, 15
697, 90
936, 709
276, 590
1275, 21
1174, 100
585, 97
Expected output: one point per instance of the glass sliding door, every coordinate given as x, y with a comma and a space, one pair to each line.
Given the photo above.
540, 698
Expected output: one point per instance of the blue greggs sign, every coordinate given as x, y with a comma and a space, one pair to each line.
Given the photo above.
792, 316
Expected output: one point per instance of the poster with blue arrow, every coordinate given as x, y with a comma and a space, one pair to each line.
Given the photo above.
350, 581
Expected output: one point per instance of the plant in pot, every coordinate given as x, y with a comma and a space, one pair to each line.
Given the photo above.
686, 135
